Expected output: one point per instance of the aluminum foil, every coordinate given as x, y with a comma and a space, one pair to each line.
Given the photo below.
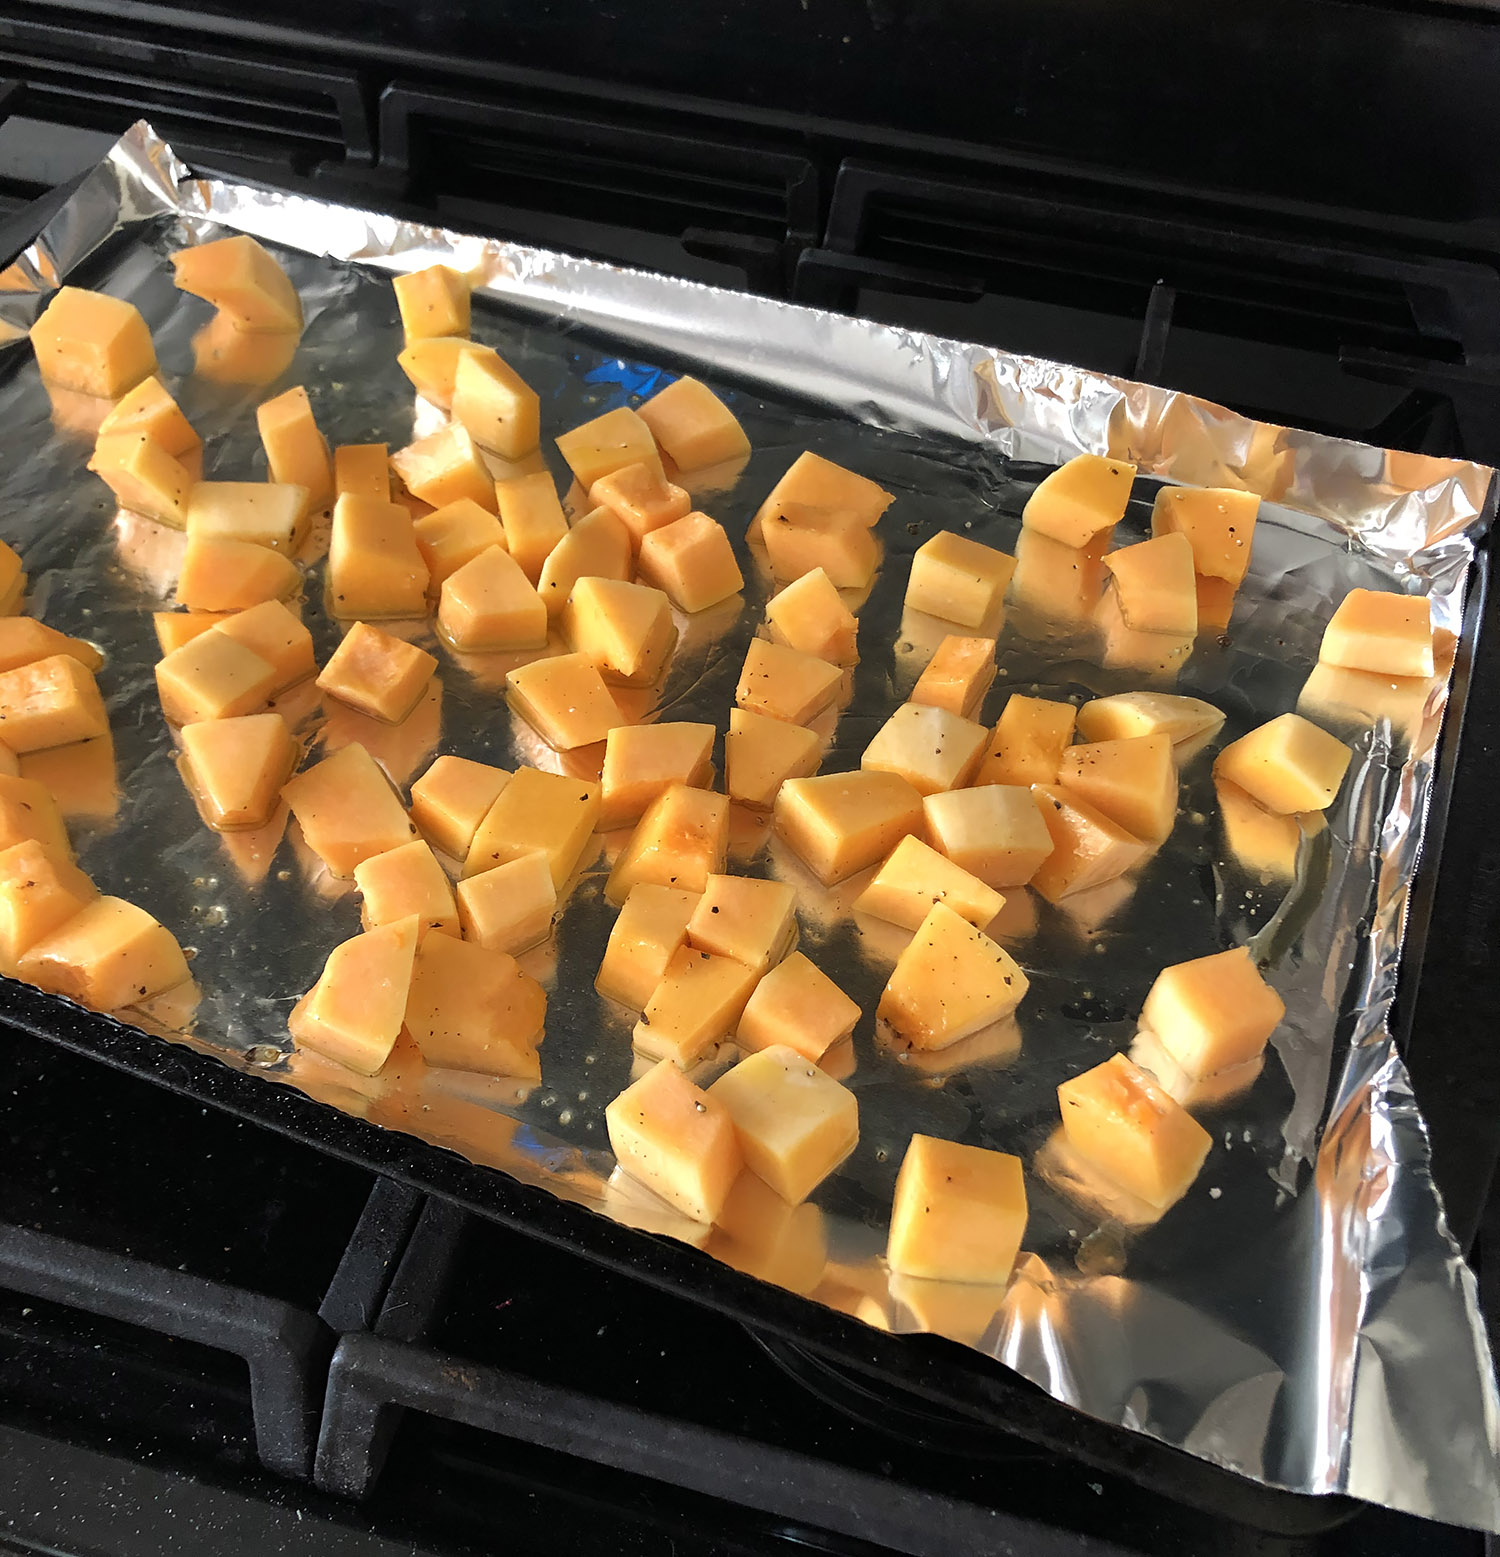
1303, 1316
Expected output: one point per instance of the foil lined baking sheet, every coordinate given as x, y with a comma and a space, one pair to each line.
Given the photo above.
1302, 1316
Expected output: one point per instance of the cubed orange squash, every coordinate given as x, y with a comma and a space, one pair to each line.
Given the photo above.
959, 580
362, 470
1288, 765
375, 569
475, 1010
1376, 631
489, 604
347, 809
1079, 499
381, 676
1132, 781
273, 632
509, 908
837, 823
784, 683
642, 761
693, 427
406, 880
799, 539
445, 466
1058, 582
1125, 714
50, 702
296, 452
1219, 523
993, 832
564, 699
238, 276
82, 778
213, 677
679, 842
495, 405
959, 1213
452, 798
92, 343
651, 928
226, 575
596, 547
1213, 1012
1088, 848
449, 537
175, 628
602, 446
432, 301
264, 513
930, 748
809, 615
235, 768
39, 892
957, 676
148, 409
24, 640
550, 812
761, 753
432, 365
696, 1005
692, 562
1028, 742
743, 917
812, 482
798, 1006
950, 981
143, 477
625, 629
1155, 585
915, 877
354, 1013
532, 517
28, 810
107, 956
641, 498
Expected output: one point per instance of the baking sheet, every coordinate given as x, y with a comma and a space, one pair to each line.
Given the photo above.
1303, 1316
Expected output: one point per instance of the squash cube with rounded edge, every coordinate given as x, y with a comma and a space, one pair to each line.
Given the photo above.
489, 604
92, 343
959, 1212
1377, 631
109, 955
596, 547
1079, 499
625, 629
994, 832
143, 477
649, 932
1287, 765
564, 699
604, 445
347, 809
548, 812
1213, 1012
381, 676
1029, 740
930, 748
812, 482
797, 1005
958, 579
809, 615
761, 753
354, 1013
680, 842
452, 798
1088, 848
1127, 714
472, 1009
693, 427
509, 908
240, 278
451, 536
50, 702
837, 823
235, 768
227, 575
915, 877
403, 881
148, 409
1155, 586
799, 539
692, 562
1132, 781
445, 465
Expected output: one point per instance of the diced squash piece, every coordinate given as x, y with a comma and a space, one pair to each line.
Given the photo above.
795, 1123
264, 513
1028, 743
39, 892
297, 453
235, 768
648, 933
679, 842
1287, 765
1088, 848
676, 1140
994, 832
1155, 585
1215, 603
930, 748
148, 409
143, 477
809, 615
751, 920
1126, 714
564, 699
1333, 694
625, 629
785, 684
1132, 781
375, 569
362, 470
546, 812
489, 604
606, 444
761, 753
642, 761
24, 640
697, 1003
452, 798
496, 406
1080, 498
798, 1006
275, 634
957, 676
950, 981
915, 877
1386, 633
509, 908
92, 343
213, 677
81, 778
1263, 843
432, 301
692, 562
1219, 523
596, 547
354, 1013
840, 822
175, 628
812, 482
1213, 1012
347, 809
50, 702
958, 579
1122, 1124
445, 466
959, 1212
451, 536
532, 518
473, 1009
693, 426
1056, 581
107, 956
403, 881
227, 575
432, 365
641, 498
381, 676
799, 539
27, 810
239, 277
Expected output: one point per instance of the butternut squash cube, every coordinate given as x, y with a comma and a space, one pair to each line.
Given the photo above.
761, 753
451, 536
381, 676
647, 935
642, 761
949, 982
930, 748
959, 1212
473, 1009
1132, 781
1155, 585
432, 365
362, 470
452, 798
432, 301
692, 562
175, 628
375, 569
812, 482
1030, 738
799, 539
263, 513
596, 547
235, 768
641, 498
39, 892
1386, 633
239, 277
606, 444
1058, 582
693, 426
1213, 1012
445, 466
24, 640
753, 921
1263, 843
1333, 694
1088, 848
958, 579
797, 1006
509, 908
547, 812
676, 1140
92, 343
957, 676
28, 810
1287, 765
533, 519
107, 956
1219, 523
275, 634
915, 877
1127, 714
1080, 498
809, 615
150, 411
697, 1003
403, 881
625, 629
785, 684
143, 477
489, 603
497, 407
81, 778
297, 453
838, 823
347, 809
213, 677
564, 699
354, 1013
50, 702
994, 832
679, 842
226, 575
1121, 1123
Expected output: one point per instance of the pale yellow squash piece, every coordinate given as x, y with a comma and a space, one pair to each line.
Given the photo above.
497, 407
786, 684
607, 443
532, 518
173, 628
355, 1012
227, 575
812, 482
235, 768
39, 892
798, 1006
347, 809
697, 1003
958, 579
1287, 765
375, 569
564, 699
509, 908
107, 956
445, 466
432, 301
1213, 1012
550, 812
273, 632
915, 877
1155, 585
692, 562
1079, 499
950, 981
241, 279
642, 761
148, 409
1388, 634
28, 810
1132, 781
263, 513
92, 343
1028, 743
838, 823
432, 365
959, 1213
625, 629
596, 547
362, 470
1219, 523
489, 604
930, 748
143, 477
743, 917
24, 640
452, 798
403, 881
296, 452
50, 702
799, 539
994, 832
449, 537
761, 753
473, 1009
1088, 848
957, 676
1125, 714
693, 427
679, 842
381, 676
649, 932
809, 615
641, 498
213, 677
